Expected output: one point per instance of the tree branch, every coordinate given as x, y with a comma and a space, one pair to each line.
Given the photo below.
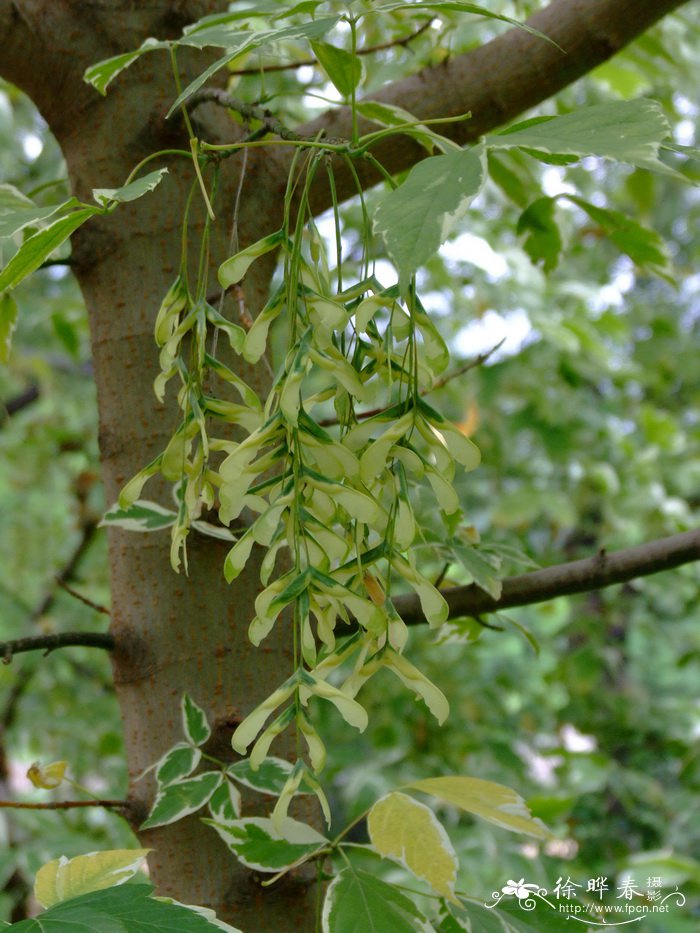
495, 82
82, 599
18, 402
579, 576
64, 804
49, 643
369, 50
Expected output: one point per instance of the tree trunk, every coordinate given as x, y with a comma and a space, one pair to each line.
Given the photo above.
174, 634
179, 634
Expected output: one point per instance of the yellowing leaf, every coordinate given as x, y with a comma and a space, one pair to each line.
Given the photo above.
433, 604
233, 270
254, 721
493, 802
64, 878
47, 776
351, 711
409, 832
408, 674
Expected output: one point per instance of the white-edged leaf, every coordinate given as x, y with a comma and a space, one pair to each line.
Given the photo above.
225, 803
358, 902
269, 778
418, 216
244, 42
101, 74
181, 798
17, 211
40, 245
493, 802
132, 191
142, 515
407, 831
626, 131
63, 878
261, 846
177, 763
128, 908
194, 721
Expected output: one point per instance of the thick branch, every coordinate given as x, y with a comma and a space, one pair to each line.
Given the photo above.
495, 82
50, 642
579, 576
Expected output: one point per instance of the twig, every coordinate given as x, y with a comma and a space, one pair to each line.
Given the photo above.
20, 401
65, 804
439, 384
383, 46
50, 643
83, 599
68, 570
249, 112
47, 263
465, 367
579, 576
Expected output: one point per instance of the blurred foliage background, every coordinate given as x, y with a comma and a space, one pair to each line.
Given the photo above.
588, 418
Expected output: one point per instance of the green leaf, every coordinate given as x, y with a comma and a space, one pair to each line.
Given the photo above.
177, 763
479, 568
194, 722
419, 215
181, 798
8, 321
626, 131
358, 902
124, 909
40, 245
402, 829
269, 778
218, 34
101, 74
132, 191
225, 803
643, 246
343, 68
260, 845
141, 516
542, 238
65, 878
493, 802
509, 916
17, 211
